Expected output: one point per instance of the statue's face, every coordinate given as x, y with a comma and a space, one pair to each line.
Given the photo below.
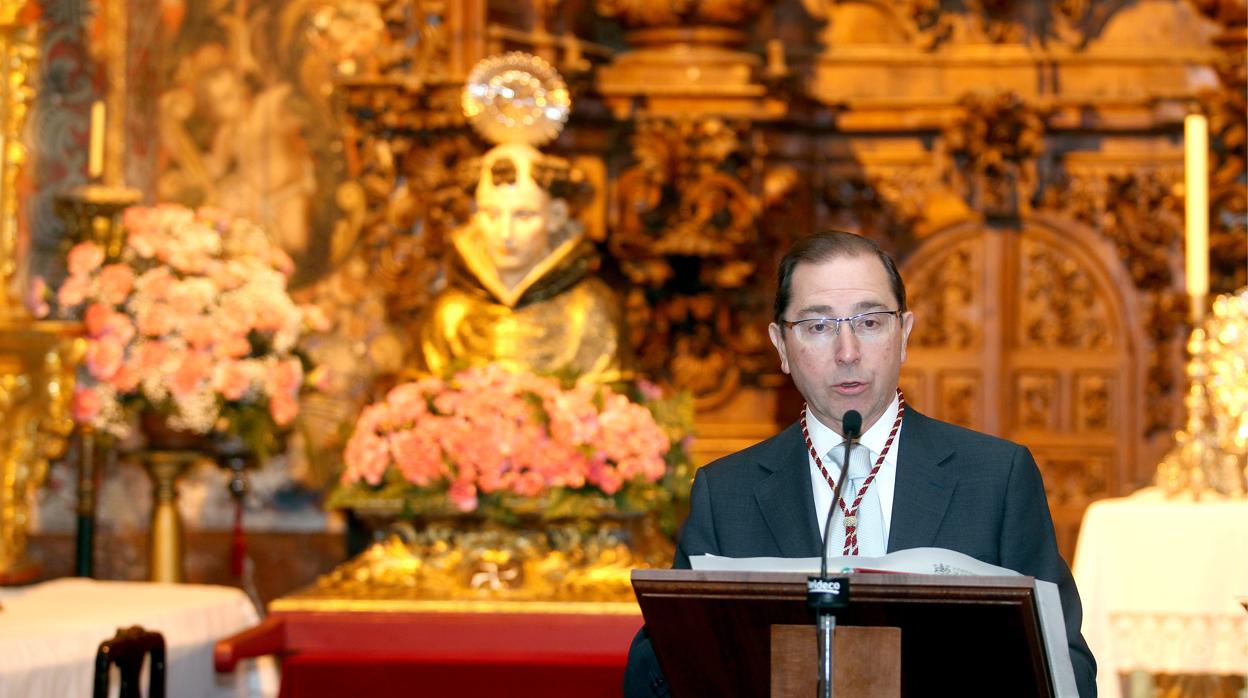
515, 222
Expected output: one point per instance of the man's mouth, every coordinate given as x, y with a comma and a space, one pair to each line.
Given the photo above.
849, 387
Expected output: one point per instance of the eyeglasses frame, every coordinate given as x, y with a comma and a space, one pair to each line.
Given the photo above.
789, 324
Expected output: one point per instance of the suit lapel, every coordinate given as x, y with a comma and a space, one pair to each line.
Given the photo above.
924, 484
785, 498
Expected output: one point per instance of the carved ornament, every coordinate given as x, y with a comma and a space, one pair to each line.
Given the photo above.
930, 24
1074, 481
922, 21
960, 396
665, 13
884, 204
944, 295
1036, 400
992, 151
406, 40
1230, 14
1140, 213
1059, 305
411, 195
1228, 179
406, 138
686, 235
998, 20
1074, 23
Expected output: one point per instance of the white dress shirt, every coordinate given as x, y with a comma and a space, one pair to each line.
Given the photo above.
824, 440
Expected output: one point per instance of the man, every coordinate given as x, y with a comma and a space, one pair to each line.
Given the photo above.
841, 327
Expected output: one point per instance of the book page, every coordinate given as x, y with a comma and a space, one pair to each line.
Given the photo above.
913, 561
1053, 626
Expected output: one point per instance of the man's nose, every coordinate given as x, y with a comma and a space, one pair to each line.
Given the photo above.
846, 345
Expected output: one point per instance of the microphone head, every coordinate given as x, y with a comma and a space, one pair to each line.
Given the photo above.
851, 424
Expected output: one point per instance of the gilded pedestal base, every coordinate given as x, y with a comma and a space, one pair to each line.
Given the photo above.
475, 565
166, 561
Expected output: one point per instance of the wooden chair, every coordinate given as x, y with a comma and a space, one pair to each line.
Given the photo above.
127, 650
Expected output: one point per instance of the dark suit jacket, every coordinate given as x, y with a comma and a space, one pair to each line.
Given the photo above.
955, 489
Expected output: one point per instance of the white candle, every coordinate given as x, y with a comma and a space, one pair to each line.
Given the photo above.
1196, 193
95, 153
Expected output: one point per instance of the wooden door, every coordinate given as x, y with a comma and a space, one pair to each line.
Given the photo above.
1024, 333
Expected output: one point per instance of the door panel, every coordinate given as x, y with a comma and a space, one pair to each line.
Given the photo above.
1022, 334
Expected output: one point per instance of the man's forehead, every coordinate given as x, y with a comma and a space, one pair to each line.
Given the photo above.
861, 306
864, 273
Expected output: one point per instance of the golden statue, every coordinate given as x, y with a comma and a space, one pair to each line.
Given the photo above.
520, 290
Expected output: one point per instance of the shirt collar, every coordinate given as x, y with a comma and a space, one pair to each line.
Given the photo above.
824, 439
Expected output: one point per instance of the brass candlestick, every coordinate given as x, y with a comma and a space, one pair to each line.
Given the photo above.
93, 212
1210, 455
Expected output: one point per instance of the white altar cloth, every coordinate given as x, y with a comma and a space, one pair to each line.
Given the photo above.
1162, 583
49, 634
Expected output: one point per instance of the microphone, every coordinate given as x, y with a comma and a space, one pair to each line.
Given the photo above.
824, 594
851, 424
851, 427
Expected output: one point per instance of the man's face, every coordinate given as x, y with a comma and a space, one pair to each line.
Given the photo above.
846, 373
513, 219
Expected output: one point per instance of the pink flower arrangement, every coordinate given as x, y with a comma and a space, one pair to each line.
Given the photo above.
492, 433
193, 321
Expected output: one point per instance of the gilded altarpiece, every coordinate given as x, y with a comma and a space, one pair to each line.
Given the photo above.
1021, 159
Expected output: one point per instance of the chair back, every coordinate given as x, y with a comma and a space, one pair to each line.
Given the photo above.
128, 648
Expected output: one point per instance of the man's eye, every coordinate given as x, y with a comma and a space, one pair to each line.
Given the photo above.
818, 327
869, 323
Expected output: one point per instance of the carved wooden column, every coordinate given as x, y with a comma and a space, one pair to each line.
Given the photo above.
37, 358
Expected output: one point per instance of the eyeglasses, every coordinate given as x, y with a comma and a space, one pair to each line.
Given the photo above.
867, 327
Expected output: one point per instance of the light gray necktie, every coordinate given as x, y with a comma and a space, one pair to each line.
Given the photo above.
870, 520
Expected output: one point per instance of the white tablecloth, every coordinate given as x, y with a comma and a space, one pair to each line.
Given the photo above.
1162, 583
49, 634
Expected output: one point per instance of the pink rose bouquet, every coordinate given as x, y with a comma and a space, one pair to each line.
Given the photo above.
192, 321
502, 442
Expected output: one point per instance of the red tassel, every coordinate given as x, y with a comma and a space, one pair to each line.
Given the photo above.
238, 546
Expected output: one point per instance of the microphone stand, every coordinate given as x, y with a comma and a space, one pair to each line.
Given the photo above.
827, 595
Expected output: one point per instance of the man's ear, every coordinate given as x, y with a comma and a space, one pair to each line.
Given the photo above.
777, 340
907, 325
557, 215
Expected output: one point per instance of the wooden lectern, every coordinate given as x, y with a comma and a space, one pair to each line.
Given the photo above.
733, 634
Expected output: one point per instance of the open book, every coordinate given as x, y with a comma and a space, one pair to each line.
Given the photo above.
937, 561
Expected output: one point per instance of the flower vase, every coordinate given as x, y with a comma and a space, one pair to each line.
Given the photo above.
160, 436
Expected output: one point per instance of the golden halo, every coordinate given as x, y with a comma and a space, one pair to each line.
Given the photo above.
516, 98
